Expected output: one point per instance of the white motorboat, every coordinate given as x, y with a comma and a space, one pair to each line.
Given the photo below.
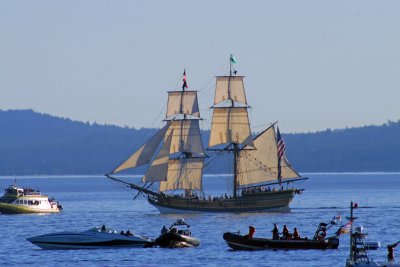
98, 237
18, 200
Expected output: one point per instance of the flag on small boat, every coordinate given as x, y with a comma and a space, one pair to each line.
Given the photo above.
344, 229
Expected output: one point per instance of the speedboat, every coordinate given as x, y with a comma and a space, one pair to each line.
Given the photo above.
27, 200
177, 236
98, 237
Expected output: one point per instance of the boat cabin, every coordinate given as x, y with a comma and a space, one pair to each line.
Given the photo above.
14, 190
181, 227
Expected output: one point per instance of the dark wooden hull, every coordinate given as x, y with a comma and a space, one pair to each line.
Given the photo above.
256, 202
242, 242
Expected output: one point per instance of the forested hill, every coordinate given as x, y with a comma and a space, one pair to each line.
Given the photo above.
34, 143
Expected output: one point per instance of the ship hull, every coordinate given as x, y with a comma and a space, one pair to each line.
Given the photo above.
276, 201
6, 208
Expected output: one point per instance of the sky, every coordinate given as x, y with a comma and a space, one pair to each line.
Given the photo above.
311, 65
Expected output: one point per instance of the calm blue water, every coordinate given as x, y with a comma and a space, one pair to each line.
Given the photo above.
93, 201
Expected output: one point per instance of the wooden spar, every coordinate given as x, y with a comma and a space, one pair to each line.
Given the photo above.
134, 186
283, 182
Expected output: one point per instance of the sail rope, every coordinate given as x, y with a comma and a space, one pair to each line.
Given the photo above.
260, 164
124, 186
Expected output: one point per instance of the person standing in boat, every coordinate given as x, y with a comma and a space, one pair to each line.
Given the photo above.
285, 232
252, 230
275, 232
390, 249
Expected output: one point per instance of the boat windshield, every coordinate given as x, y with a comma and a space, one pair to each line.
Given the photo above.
101, 229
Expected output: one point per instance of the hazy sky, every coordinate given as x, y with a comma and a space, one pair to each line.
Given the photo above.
311, 65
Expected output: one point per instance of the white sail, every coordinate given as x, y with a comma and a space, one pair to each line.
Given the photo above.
144, 154
230, 88
230, 125
186, 137
182, 102
159, 166
261, 164
184, 173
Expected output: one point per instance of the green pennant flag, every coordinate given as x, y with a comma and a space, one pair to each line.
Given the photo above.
233, 59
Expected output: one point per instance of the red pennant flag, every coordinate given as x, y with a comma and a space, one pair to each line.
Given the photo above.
184, 85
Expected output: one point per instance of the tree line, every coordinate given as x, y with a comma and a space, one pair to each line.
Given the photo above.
32, 143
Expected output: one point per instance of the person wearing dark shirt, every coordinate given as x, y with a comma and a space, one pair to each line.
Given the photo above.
390, 249
275, 232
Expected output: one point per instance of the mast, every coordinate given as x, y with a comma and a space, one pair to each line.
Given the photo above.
230, 124
179, 162
186, 155
351, 231
235, 157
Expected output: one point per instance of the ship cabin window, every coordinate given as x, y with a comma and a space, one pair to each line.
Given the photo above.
25, 202
33, 202
11, 191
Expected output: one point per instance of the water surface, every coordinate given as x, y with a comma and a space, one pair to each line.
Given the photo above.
93, 201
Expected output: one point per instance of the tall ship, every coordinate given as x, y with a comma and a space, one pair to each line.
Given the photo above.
176, 158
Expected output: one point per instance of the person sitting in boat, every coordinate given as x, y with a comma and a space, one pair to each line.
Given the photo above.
122, 232
285, 232
390, 249
103, 228
128, 233
296, 235
275, 232
252, 230
164, 230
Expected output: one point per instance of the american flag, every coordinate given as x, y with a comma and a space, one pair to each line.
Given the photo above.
184, 85
344, 229
281, 152
281, 144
